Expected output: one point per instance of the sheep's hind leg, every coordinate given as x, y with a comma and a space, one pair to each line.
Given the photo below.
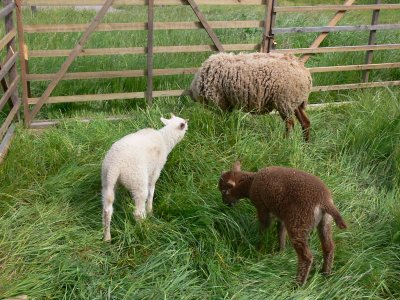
289, 123
140, 195
108, 200
304, 121
325, 235
304, 255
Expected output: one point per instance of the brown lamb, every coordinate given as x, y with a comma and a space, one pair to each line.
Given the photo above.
300, 201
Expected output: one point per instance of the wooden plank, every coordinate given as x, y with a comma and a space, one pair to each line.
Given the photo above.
354, 86
177, 93
113, 74
8, 65
4, 146
338, 16
92, 97
354, 67
140, 2
7, 38
7, 10
205, 25
22, 52
11, 48
46, 28
74, 53
10, 90
336, 28
142, 50
340, 49
7, 122
317, 8
371, 41
268, 36
149, 50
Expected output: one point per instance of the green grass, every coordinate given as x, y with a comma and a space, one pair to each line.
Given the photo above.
192, 37
193, 246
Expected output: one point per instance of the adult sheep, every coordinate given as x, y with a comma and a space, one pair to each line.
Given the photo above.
257, 83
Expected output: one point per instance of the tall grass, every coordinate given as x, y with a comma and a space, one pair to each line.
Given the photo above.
193, 246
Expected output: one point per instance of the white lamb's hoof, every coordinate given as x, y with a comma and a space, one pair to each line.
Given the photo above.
140, 216
107, 237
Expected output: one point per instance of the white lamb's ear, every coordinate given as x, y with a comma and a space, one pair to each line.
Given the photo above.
172, 115
165, 121
236, 166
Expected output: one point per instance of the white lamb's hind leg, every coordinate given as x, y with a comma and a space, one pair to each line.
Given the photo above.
140, 195
108, 200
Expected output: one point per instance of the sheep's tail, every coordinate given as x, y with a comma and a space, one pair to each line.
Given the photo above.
332, 210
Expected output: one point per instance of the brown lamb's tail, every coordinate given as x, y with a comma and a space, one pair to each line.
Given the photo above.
332, 210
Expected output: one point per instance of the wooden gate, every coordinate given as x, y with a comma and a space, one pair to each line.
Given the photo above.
9, 102
267, 43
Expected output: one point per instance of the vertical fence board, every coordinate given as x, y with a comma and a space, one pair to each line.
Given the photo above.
371, 41
150, 43
268, 37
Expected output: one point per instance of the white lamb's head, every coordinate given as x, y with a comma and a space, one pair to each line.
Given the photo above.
178, 125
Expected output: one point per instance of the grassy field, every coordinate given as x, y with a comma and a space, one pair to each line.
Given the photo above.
194, 246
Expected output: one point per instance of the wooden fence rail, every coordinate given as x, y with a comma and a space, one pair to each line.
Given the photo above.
9, 102
266, 43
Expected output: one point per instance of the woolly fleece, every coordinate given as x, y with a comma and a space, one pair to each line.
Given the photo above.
255, 82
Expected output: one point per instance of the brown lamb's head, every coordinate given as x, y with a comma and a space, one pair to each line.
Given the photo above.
227, 182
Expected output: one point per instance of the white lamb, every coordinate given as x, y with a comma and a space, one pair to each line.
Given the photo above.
136, 162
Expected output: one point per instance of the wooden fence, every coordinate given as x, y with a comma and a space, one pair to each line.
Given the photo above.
266, 44
9, 102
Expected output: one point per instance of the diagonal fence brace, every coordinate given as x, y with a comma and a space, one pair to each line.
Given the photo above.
205, 25
73, 54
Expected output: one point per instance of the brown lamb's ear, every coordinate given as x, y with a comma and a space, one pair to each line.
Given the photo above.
236, 167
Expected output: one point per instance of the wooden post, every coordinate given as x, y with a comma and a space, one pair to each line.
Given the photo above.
21, 45
338, 16
371, 41
268, 37
150, 43
73, 54
205, 25
10, 51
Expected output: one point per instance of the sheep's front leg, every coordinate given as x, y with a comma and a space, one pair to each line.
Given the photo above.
152, 186
264, 218
281, 235
149, 202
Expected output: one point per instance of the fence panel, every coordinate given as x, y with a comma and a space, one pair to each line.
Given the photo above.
9, 101
265, 27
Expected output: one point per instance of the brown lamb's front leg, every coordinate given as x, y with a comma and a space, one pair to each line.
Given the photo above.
264, 217
281, 235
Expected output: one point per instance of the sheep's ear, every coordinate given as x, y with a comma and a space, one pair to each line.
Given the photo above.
172, 115
165, 121
236, 166
231, 183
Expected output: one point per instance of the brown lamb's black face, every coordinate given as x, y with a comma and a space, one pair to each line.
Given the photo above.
225, 185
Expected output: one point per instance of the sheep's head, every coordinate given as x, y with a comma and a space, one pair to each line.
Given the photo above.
178, 124
227, 183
